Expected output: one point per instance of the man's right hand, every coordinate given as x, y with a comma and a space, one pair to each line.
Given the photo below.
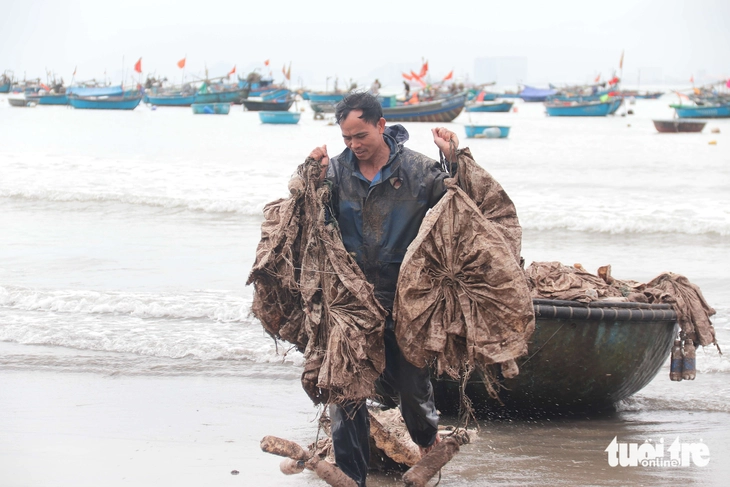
320, 154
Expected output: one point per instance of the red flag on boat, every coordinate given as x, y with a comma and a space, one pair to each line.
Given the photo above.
266, 63
181, 63
480, 96
613, 80
232, 71
74, 71
598, 78
415, 77
410, 78
287, 72
424, 70
692, 79
728, 83
450, 75
45, 87
413, 100
138, 66
621, 62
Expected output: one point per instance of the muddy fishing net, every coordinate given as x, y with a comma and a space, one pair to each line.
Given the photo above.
462, 301
309, 291
574, 283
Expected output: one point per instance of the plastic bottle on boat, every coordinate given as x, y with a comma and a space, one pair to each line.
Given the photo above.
688, 360
675, 368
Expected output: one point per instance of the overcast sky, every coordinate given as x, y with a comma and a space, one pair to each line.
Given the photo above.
563, 41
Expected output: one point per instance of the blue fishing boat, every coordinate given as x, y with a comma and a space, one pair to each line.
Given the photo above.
580, 96
489, 106
6, 81
440, 110
278, 117
530, 94
481, 95
95, 90
126, 101
171, 99
324, 102
587, 109
702, 111
615, 105
220, 93
211, 108
641, 95
486, 131
49, 99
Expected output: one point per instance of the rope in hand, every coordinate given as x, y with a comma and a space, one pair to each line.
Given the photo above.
446, 165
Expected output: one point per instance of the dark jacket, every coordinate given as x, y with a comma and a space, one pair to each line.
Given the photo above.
378, 221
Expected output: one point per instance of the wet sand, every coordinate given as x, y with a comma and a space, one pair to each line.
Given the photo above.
81, 429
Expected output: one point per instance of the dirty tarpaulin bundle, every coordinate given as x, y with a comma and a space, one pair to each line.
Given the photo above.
462, 300
573, 283
310, 292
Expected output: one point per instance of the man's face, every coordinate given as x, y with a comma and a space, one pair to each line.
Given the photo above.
361, 137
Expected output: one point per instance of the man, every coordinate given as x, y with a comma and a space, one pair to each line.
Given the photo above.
381, 191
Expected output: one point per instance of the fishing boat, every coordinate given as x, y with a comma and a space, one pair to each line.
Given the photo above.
530, 94
211, 108
171, 99
486, 131
440, 110
83, 90
254, 105
279, 117
128, 100
489, 106
679, 125
6, 81
481, 95
702, 111
580, 96
641, 95
584, 109
19, 100
49, 98
275, 101
324, 102
220, 93
580, 357
616, 103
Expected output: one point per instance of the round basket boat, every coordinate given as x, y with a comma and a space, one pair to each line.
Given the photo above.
580, 357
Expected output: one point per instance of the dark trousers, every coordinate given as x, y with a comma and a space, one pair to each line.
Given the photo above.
350, 422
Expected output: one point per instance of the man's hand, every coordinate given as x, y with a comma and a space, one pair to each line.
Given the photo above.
442, 137
320, 154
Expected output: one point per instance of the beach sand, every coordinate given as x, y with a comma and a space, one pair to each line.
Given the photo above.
68, 429
83, 429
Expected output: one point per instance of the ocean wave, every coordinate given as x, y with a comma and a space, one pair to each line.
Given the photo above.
676, 402
627, 223
213, 305
201, 326
17, 356
252, 207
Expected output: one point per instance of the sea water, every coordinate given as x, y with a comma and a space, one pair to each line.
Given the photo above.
126, 238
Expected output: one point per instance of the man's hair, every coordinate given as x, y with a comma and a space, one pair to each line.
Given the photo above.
372, 112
